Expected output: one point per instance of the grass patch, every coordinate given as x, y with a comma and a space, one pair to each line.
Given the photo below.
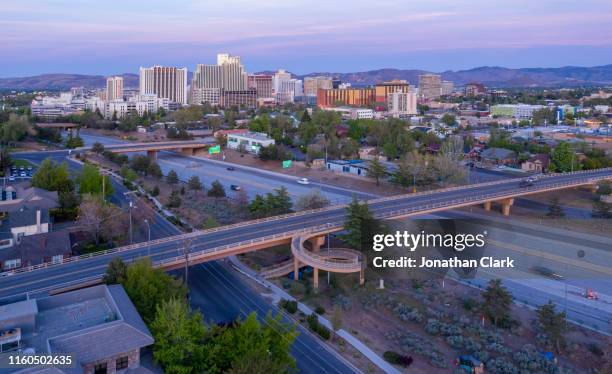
19, 163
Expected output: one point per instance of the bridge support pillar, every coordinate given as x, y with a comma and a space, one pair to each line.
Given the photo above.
487, 206
506, 204
317, 243
296, 269
187, 151
315, 279
362, 277
152, 154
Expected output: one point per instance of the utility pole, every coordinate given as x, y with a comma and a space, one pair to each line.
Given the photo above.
131, 234
186, 248
149, 241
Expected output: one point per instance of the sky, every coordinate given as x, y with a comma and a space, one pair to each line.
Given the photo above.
302, 36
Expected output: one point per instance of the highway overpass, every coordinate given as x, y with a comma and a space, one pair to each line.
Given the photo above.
298, 227
185, 147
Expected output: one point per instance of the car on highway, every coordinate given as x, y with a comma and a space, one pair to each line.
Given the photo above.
527, 182
235, 187
546, 272
231, 168
303, 181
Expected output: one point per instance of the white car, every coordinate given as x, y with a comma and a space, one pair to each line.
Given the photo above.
303, 181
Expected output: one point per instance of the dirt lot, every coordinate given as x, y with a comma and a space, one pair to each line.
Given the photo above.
431, 323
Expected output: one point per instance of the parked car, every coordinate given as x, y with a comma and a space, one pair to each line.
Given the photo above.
12, 178
303, 181
235, 187
23, 174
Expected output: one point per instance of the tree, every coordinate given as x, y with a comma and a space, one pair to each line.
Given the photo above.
52, 176
154, 170
376, 170
5, 159
92, 182
148, 287
194, 183
100, 220
128, 174
116, 272
249, 346
97, 147
74, 141
16, 128
281, 201
563, 158
172, 177
553, 324
210, 223
497, 302
179, 334
448, 119
312, 200
174, 200
140, 164
360, 225
555, 210
216, 189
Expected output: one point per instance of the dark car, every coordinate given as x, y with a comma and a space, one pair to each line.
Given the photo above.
546, 272
235, 187
231, 168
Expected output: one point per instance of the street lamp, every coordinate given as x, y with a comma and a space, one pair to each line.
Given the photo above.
149, 241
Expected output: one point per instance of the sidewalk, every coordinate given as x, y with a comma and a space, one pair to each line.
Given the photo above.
279, 294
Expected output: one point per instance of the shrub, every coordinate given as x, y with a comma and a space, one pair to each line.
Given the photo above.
343, 302
297, 288
469, 304
397, 359
291, 306
320, 310
315, 326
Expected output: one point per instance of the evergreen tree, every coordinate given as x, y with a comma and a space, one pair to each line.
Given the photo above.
360, 225
174, 200
497, 302
216, 189
553, 324
116, 272
376, 170
172, 177
194, 183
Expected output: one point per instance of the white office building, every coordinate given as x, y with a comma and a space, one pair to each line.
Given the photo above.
208, 80
402, 103
164, 82
288, 90
114, 88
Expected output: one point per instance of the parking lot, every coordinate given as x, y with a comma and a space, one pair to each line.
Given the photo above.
21, 171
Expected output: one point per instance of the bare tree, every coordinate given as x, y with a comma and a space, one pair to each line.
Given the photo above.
99, 219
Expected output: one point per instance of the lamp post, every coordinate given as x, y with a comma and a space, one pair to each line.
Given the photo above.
131, 234
149, 241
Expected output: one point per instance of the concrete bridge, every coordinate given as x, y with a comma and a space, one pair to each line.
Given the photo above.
304, 231
188, 147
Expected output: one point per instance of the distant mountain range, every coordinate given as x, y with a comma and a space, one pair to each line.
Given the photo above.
491, 76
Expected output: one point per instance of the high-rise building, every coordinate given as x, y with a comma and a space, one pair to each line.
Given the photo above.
164, 82
401, 103
447, 88
279, 77
288, 90
361, 97
114, 88
312, 85
385, 88
262, 83
430, 86
209, 80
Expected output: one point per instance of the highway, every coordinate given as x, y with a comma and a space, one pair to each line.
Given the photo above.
17, 285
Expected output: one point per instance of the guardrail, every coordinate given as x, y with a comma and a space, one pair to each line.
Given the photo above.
475, 199
353, 261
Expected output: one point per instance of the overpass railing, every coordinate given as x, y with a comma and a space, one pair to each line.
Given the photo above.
421, 208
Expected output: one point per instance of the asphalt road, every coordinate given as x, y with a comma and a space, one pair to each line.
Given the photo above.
222, 297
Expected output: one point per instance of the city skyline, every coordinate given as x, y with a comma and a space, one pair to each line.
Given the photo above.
302, 37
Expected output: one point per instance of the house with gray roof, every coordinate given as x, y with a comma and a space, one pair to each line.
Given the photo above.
98, 325
497, 156
52, 247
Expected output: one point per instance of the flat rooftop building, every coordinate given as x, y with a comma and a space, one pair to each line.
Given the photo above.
99, 326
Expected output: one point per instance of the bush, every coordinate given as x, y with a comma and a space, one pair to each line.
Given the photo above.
155, 191
297, 288
291, 306
469, 304
320, 310
315, 326
397, 359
